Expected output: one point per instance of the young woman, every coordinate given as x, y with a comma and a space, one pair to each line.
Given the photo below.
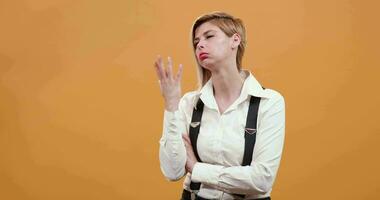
226, 137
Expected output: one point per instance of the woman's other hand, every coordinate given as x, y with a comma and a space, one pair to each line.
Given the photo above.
170, 85
191, 159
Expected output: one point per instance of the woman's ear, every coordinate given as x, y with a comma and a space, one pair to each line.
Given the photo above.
235, 40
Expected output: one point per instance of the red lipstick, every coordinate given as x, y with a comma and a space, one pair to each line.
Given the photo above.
203, 56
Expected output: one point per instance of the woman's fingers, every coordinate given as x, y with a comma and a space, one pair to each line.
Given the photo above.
179, 73
157, 68
164, 73
161, 67
186, 137
170, 68
187, 141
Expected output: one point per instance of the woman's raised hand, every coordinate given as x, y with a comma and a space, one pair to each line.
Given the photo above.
170, 85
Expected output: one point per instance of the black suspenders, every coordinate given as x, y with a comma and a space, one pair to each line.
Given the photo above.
195, 125
250, 133
250, 130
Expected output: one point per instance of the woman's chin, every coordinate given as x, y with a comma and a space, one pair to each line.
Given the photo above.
206, 63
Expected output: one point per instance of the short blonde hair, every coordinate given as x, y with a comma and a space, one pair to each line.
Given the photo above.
229, 25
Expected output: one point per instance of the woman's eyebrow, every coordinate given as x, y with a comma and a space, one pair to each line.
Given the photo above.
203, 34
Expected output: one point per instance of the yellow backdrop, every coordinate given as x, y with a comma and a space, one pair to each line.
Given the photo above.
81, 113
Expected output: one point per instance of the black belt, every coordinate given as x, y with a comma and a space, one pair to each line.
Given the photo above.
186, 195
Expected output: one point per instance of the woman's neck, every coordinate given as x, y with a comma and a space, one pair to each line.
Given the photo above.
227, 83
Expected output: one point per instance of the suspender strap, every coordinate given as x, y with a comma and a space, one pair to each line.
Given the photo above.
250, 130
250, 134
195, 126
193, 133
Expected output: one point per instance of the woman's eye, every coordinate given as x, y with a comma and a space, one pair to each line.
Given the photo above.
209, 36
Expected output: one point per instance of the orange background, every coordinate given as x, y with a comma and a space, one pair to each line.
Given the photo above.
81, 112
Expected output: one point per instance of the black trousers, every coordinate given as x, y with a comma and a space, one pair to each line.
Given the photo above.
186, 195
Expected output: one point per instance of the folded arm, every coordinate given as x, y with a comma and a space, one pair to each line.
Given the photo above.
259, 177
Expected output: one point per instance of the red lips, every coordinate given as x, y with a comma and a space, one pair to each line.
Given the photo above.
203, 55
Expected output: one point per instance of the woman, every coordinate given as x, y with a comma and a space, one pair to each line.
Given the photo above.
226, 137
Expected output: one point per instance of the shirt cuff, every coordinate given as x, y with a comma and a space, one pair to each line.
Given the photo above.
206, 173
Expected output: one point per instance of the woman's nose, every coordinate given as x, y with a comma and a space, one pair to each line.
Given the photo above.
200, 45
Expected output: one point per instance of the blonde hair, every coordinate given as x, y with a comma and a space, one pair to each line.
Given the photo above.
229, 25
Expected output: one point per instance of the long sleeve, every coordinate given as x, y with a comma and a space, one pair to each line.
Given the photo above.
259, 177
172, 152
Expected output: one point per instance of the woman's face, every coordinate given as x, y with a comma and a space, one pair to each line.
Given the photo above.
212, 46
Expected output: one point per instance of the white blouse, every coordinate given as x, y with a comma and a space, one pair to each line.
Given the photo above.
221, 143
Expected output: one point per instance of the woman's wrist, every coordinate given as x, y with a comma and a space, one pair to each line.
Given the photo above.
171, 105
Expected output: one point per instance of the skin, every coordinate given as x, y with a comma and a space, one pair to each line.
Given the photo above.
221, 62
